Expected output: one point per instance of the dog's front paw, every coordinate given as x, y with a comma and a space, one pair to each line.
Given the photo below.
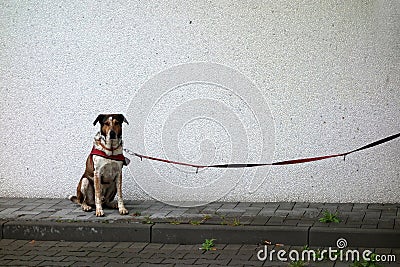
123, 211
85, 207
99, 213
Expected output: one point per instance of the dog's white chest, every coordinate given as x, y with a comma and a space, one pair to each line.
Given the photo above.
108, 169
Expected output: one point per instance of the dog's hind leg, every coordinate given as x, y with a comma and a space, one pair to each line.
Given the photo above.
88, 194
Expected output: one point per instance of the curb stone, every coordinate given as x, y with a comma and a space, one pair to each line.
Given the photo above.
50, 230
1, 228
195, 234
378, 238
189, 234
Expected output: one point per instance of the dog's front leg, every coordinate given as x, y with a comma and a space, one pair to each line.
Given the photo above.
121, 207
97, 194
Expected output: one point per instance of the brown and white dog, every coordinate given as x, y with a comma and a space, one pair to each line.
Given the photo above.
102, 178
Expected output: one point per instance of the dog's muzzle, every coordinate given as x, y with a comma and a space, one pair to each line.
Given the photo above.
113, 134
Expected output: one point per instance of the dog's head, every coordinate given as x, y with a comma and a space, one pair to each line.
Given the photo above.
111, 125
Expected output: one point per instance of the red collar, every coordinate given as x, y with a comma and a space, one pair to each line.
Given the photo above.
119, 157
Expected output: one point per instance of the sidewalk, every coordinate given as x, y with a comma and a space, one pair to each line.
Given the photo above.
63, 253
362, 225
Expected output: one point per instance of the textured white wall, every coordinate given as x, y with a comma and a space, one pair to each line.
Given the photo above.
329, 72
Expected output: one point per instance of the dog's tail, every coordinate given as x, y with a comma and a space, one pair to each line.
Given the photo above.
74, 199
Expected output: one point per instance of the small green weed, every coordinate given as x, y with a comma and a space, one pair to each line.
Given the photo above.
137, 213
208, 245
223, 221
175, 222
298, 263
195, 222
147, 220
329, 217
236, 222
206, 217
372, 262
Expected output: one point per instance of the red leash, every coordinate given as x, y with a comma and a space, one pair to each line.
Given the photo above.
287, 162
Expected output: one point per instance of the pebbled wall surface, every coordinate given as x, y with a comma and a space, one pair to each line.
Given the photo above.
255, 82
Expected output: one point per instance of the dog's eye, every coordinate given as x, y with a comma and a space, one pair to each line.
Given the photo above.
107, 123
116, 123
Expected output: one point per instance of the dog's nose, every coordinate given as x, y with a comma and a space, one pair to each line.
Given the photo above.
112, 134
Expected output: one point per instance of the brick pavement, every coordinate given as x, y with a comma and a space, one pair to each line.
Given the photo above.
359, 215
171, 236
61, 253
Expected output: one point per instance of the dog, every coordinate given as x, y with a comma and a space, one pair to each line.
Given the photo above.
102, 179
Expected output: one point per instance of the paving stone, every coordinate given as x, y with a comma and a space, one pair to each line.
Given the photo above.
230, 212
186, 247
176, 213
267, 212
229, 205
276, 221
122, 245
355, 218
24, 263
260, 220
331, 206
180, 261
8, 212
244, 204
345, 207
360, 206
88, 264
286, 205
221, 262
262, 205
372, 215
301, 205
49, 258
169, 247
55, 263
311, 212
386, 224
297, 213
252, 210
281, 213
47, 253
293, 222
10, 256
369, 226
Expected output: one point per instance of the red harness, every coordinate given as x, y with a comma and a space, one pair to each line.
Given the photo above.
119, 157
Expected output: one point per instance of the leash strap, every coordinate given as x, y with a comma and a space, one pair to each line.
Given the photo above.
286, 162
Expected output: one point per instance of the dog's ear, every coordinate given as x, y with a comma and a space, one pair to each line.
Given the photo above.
99, 118
123, 119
